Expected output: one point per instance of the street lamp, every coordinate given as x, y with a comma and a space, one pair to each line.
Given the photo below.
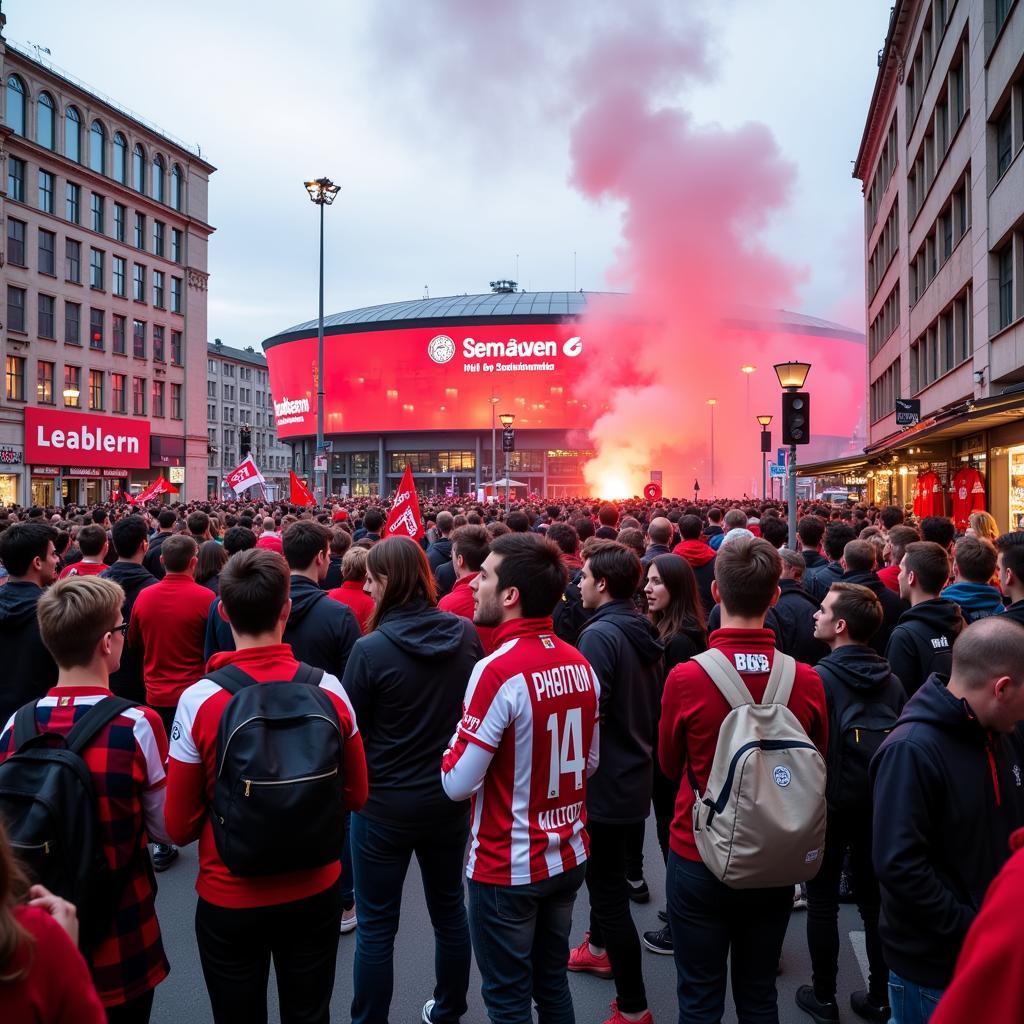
712, 402
764, 420
791, 378
747, 370
507, 419
494, 446
322, 191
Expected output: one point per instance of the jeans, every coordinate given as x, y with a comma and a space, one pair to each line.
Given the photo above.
844, 830
714, 926
611, 924
381, 852
521, 940
237, 945
911, 1003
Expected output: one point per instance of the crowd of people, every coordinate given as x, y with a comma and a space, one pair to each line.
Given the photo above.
832, 716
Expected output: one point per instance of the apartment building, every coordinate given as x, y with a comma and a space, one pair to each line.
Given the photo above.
240, 418
104, 275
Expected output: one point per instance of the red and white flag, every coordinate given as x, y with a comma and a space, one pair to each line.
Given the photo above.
154, 490
300, 493
404, 519
244, 476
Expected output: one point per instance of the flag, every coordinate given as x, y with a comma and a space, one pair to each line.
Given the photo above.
154, 490
404, 519
300, 493
244, 476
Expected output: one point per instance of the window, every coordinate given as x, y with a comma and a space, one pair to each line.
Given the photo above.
158, 179
16, 242
1004, 261
73, 135
175, 401
117, 391
211, 389
16, 179
16, 104
1001, 11
176, 295
158, 238
229, 369
176, 252
44, 382
98, 148
138, 282
211, 413
885, 248
45, 326
176, 187
118, 281
158, 344
96, 207
45, 134
47, 258
73, 260
15, 379
211, 366
118, 333
72, 323
73, 387
139, 168
140, 231
97, 318
158, 289
72, 202
176, 347
943, 346
96, 390
1004, 141
158, 398
96, 273
15, 308
884, 391
120, 218
139, 396
946, 234
46, 192
139, 339
120, 159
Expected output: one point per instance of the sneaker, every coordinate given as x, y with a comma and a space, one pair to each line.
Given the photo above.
617, 1017
581, 959
819, 1011
425, 1016
799, 898
349, 921
163, 856
663, 916
869, 1007
638, 891
659, 941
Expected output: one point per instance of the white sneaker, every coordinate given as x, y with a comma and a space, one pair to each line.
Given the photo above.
800, 898
428, 1006
348, 920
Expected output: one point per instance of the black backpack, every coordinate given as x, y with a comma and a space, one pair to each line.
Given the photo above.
48, 803
860, 728
569, 616
278, 800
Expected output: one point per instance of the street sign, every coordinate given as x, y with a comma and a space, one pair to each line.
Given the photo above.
652, 491
781, 460
657, 477
775, 470
908, 412
508, 439
320, 464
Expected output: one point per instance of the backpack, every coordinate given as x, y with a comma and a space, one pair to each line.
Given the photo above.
858, 732
761, 822
569, 616
278, 799
48, 803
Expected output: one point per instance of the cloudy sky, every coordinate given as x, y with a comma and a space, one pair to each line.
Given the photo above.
451, 142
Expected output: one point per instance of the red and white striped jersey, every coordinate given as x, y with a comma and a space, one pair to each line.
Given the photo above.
528, 740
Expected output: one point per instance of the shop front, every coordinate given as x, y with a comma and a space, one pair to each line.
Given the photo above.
12, 466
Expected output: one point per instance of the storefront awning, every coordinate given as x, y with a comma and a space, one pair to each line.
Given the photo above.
852, 463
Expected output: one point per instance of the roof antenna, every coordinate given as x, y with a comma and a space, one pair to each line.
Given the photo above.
426, 291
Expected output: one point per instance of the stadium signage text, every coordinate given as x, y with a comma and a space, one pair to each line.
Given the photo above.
100, 441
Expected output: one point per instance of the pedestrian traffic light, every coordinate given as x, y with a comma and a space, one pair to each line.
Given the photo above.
796, 417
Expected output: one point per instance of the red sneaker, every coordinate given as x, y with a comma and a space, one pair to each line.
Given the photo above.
617, 1018
581, 959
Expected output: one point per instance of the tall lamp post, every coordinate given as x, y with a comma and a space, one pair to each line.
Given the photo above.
494, 446
791, 378
764, 420
507, 419
712, 402
747, 371
322, 191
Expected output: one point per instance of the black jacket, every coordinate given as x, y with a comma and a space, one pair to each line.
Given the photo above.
218, 633
438, 553
922, 642
333, 577
625, 652
444, 577
652, 552
893, 606
814, 559
127, 681
947, 795
151, 559
690, 640
1015, 611
27, 671
407, 681
816, 581
321, 632
795, 614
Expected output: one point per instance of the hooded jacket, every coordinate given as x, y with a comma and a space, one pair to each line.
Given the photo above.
701, 557
947, 795
151, 559
893, 606
626, 654
439, 552
794, 612
128, 681
407, 681
817, 580
321, 631
28, 669
976, 600
922, 642
814, 559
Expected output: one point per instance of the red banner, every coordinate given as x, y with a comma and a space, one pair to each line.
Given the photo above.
300, 494
76, 438
155, 489
404, 519
244, 475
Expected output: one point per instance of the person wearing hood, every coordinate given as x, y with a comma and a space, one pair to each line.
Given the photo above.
864, 701
859, 567
794, 612
626, 654
701, 557
823, 574
406, 679
948, 794
974, 565
922, 642
30, 558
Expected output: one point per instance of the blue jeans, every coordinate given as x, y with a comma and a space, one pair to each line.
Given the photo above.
381, 852
714, 926
911, 1003
521, 941
347, 893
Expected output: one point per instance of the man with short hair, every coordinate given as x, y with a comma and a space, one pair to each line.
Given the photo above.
775, 531
523, 880
341, 541
440, 551
735, 519
92, 540
269, 539
373, 521
151, 562
1010, 566
891, 516
939, 530
859, 559
198, 524
947, 795
895, 547
608, 518
974, 566
836, 536
659, 533
809, 531
470, 546
795, 611
714, 525
218, 633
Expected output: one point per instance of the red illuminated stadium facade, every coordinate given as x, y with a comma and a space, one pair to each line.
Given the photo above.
420, 383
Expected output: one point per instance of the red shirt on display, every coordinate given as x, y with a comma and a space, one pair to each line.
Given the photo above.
459, 601
968, 496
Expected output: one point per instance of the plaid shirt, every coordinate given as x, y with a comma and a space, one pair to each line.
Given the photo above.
127, 761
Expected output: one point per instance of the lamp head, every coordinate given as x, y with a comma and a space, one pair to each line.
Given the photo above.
322, 191
747, 369
507, 419
764, 420
792, 375
712, 401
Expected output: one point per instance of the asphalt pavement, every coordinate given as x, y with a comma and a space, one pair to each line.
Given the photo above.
182, 999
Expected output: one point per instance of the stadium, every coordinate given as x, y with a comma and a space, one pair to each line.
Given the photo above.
424, 384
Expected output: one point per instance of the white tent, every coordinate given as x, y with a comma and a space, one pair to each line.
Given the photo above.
503, 483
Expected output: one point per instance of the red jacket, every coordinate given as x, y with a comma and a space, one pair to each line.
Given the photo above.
696, 552
352, 594
459, 601
693, 709
890, 576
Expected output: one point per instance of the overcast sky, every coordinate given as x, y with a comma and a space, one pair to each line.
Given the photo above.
438, 193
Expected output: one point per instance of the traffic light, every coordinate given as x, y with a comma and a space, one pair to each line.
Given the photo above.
244, 440
796, 417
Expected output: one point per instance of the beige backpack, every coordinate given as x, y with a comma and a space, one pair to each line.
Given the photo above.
761, 822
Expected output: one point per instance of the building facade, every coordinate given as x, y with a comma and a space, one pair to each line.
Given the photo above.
104, 275
240, 419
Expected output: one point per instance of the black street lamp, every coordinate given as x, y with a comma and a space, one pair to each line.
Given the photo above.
766, 446
791, 378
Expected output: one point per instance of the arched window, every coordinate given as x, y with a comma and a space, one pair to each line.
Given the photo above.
16, 104
98, 148
73, 135
120, 159
176, 187
139, 168
45, 123
158, 179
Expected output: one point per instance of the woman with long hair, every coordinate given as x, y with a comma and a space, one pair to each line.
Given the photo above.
406, 679
212, 558
983, 525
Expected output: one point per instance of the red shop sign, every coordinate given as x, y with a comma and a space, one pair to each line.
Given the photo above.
102, 441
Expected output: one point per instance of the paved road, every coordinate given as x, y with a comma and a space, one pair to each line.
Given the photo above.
181, 999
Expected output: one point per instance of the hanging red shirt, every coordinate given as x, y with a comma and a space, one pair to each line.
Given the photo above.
968, 496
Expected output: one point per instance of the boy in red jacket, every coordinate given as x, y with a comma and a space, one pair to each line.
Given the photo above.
710, 921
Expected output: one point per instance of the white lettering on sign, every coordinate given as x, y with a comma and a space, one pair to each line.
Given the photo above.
291, 407
511, 349
751, 662
85, 439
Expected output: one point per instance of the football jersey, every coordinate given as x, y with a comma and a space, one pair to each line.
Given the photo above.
532, 704
968, 496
